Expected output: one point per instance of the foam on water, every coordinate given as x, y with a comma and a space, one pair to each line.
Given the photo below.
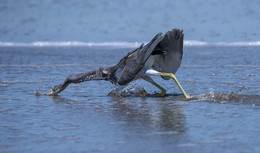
203, 43
132, 89
233, 96
118, 44
70, 43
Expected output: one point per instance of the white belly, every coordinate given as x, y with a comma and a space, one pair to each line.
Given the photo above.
164, 63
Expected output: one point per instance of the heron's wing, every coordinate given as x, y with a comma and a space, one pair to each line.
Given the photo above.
172, 48
135, 60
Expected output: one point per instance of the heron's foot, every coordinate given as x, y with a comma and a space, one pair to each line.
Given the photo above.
162, 94
144, 94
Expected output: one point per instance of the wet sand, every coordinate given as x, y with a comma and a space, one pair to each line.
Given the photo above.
223, 115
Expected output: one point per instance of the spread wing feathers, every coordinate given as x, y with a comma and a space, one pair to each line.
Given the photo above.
172, 48
135, 60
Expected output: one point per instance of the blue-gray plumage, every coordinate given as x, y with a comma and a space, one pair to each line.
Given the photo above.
161, 56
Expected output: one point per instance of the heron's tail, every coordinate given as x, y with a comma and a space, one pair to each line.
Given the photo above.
135, 61
173, 42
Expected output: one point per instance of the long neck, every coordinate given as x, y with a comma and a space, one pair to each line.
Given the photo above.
82, 77
75, 78
100, 74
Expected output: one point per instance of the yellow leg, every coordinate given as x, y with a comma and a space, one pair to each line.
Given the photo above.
163, 91
150, 80
176, 81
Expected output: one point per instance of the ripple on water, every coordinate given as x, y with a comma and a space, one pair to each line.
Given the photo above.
163, 133
17, 72
241, 66
17, 99
230, 82
10, 76
21, 81
47, 78
5, 110
63, 128
3, 85
191, 81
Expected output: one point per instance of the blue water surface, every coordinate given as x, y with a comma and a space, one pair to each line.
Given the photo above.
130, 21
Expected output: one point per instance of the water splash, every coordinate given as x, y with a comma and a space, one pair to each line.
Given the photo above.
219, 97
130, 90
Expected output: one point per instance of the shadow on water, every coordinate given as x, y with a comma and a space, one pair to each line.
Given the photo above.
158, 114
60, 99
146, 111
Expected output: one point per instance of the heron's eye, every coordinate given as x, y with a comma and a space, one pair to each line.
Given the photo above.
105, 71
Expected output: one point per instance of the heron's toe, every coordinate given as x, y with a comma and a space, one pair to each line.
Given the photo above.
162, 94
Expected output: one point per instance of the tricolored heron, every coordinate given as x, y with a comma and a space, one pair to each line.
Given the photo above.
162, 56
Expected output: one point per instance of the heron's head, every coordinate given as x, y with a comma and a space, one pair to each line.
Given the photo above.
55, 90
101, 73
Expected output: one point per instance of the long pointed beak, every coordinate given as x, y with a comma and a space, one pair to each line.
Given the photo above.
50, 93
